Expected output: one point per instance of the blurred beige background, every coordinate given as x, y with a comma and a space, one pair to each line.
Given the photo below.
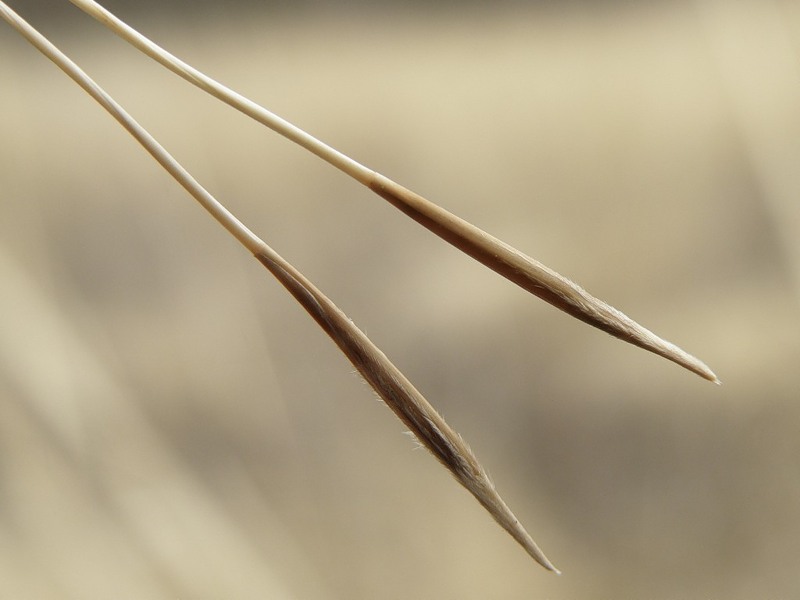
174, 426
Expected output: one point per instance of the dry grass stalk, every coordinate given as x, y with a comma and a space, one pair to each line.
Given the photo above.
509, 262
395, 389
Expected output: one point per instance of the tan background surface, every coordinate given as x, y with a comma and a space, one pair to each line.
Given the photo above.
172, 425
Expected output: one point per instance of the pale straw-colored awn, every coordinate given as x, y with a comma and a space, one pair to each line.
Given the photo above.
390, 384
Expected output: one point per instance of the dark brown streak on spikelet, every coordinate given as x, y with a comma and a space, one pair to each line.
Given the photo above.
530, 275
484, 250
373, 365
404, 399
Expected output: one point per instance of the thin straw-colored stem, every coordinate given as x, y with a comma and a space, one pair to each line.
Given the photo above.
387, 380
509, 262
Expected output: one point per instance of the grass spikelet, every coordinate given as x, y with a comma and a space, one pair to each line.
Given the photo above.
526, 272
393, 387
